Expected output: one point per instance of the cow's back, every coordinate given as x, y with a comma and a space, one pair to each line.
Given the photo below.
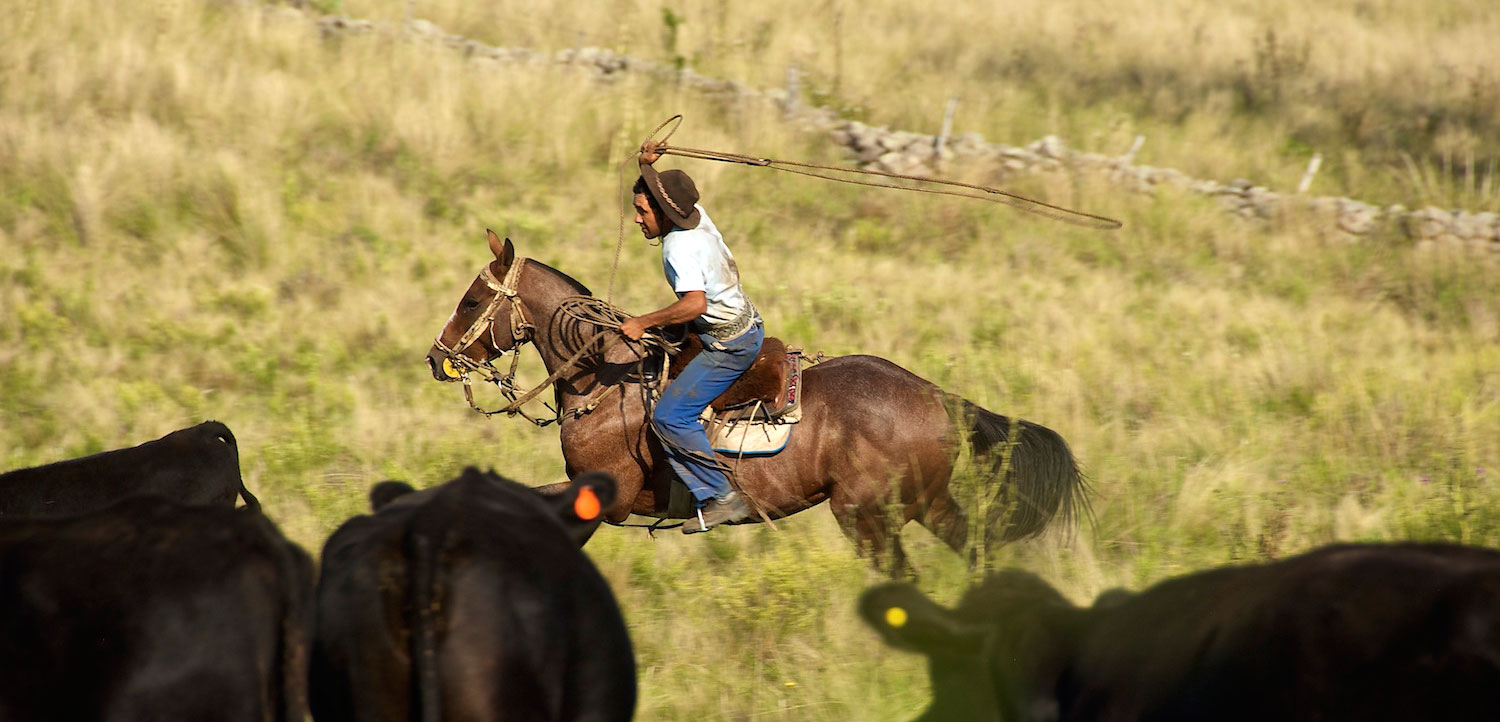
550, 627
1346, 632
520, 624
196, 465
360, 662
151, 610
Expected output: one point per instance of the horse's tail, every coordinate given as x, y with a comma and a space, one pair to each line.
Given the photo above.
1041, 480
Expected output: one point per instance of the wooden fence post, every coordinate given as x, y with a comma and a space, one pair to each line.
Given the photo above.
942, 138
1312, 170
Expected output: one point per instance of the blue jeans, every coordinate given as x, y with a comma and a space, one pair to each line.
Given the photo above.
676, 416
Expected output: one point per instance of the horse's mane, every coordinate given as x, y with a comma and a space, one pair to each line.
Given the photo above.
579, 287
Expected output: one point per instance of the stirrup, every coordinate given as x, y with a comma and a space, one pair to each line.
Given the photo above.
687, 526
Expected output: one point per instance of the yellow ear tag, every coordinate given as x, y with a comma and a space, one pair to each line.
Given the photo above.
586, 506
896, 617
448, 369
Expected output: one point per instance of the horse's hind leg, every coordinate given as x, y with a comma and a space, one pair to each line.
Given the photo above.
875, 536
947, 521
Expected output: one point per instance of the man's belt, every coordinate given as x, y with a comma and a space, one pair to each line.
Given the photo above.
731, 329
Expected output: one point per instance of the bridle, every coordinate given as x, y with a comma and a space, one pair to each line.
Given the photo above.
461, 367
520, 333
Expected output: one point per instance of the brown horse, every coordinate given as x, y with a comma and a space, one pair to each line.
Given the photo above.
876, 441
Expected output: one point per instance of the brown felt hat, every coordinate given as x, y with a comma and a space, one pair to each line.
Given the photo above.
675, 194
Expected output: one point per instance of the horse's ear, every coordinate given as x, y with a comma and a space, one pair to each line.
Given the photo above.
504, 252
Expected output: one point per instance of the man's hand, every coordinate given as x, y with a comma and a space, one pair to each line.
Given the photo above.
649, 153
691, 305
634, 328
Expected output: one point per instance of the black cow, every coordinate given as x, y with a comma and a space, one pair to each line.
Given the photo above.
197, 465
481, 581
1351, 632
152, 610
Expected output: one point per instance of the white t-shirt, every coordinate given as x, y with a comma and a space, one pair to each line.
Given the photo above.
698, 260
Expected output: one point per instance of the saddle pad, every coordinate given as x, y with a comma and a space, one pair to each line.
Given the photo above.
749, 438
733, 439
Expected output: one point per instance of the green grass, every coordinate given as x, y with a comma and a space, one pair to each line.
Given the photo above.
209, 211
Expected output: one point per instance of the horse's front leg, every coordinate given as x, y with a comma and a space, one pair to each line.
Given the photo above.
629, 467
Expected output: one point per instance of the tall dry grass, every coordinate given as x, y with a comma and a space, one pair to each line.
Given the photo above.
1410, 87
209, 210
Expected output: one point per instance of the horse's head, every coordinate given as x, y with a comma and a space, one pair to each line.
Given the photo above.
472, 338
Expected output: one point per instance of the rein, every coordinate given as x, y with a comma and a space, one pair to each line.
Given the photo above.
586, 309
582, 308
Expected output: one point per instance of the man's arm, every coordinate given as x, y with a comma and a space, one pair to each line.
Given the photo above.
690, 306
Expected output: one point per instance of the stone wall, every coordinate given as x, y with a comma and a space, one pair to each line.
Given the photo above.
898, 151
910, 153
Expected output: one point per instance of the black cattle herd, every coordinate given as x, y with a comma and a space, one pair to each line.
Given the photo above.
131, 588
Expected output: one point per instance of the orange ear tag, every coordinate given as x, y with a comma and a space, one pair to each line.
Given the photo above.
586, 506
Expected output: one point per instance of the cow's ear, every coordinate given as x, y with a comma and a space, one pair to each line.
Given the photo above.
504, 251
907, 619
591, 494
386, 492
581, 505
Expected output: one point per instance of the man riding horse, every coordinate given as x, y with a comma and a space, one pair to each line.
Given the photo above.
702, 272
877, 442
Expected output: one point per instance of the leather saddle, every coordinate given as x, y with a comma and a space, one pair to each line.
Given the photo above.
773, 379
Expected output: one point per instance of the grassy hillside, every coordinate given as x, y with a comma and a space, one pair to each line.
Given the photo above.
1401, 98
207, 210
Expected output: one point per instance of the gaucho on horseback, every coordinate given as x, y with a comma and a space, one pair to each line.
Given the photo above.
702, 272
877, 443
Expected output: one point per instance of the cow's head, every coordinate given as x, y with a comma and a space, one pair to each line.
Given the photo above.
996, 657
578, 506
